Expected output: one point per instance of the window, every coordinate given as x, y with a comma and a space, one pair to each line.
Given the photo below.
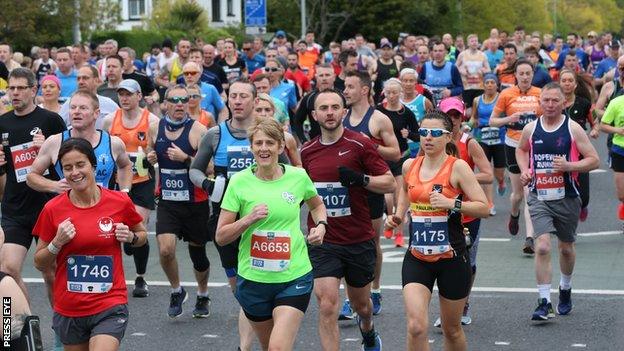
216, 11
136, 9
230, 7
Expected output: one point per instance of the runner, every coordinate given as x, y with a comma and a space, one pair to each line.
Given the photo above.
613, 122
80, 231
263, 86
227, 145
548, 157
196, 112
387, 67
113, 166
183, 209
472, 65
264, 107
437, 203
233, 66
471, 152
505, 71
23, 131
405, 129
50, 91
579, 108
416, 102
363, 118
325, 78
520, 105
274, 274
490, 138
132, 125
345, 167
441, 76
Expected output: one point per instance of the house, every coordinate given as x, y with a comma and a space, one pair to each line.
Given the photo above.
221, 13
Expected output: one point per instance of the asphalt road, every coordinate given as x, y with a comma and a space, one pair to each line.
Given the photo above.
502, 301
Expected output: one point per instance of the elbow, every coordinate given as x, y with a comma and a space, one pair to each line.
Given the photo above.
483, 211
220, 238
38, 262
390, 185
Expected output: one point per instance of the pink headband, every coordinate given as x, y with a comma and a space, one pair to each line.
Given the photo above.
52, 78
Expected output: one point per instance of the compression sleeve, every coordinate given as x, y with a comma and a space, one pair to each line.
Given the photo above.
204, 154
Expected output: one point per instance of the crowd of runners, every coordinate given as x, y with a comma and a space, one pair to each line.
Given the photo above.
228, 142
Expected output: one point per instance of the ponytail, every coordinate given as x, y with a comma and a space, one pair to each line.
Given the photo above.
451, 149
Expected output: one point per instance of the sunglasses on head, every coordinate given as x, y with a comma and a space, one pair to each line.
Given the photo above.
178, 99
271, 69
435, 132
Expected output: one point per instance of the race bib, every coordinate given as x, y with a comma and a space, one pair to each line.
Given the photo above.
174, 184
239, 158
270, 250
490, 135
430, 235
525, 119
23, 157
89, 274
335, 197
549, 185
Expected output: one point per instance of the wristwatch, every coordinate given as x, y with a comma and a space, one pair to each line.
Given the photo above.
323, 223
458, 205
366, 180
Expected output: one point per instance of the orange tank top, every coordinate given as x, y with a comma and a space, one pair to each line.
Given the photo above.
433, 231
206, 119
133, 138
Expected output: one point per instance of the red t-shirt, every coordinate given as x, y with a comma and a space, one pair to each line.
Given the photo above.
348, 213
87, 258
300, 78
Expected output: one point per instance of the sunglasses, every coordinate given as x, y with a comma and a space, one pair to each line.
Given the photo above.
271, 69
178, 99
435, 132
194, 73
194, 96
246, 49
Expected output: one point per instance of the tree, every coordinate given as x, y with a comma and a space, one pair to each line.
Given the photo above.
183, 15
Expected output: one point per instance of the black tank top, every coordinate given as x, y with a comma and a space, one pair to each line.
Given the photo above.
384, 72
43, 70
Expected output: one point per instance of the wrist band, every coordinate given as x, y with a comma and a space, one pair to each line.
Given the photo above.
125, 190
53, 249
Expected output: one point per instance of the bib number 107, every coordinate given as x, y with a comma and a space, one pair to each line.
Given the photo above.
85, 270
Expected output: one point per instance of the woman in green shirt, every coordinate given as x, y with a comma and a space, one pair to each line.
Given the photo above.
274, 280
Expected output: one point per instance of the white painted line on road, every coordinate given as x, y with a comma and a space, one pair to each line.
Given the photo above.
386, 287
610, 232
210, 336
599, 170
502, 343
495, 239
350, 339
579, 345
138, 334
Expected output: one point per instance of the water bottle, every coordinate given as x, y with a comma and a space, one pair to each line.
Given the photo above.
468, 238
219, 189
142, 171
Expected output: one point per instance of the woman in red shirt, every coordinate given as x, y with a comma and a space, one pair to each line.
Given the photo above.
80, 231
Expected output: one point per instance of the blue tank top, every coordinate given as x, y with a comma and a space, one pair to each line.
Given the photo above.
546, 183
175, 184
417, 106
106, 167
232, 154
484, 133
439, 78
363, 126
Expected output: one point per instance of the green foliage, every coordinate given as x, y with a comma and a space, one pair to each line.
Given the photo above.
183, 15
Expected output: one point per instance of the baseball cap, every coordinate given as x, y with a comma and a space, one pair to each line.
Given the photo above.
452, 103
280, 33
615, 43
385, 44
130, 85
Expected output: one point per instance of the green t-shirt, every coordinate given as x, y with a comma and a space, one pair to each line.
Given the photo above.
272, 250
281, 113
614, 115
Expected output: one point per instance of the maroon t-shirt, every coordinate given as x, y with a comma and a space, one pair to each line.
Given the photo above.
347, 208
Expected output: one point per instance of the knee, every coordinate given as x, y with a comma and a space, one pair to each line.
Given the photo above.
363, 306
416, 327
452, 332
167, 252
328, 306
14, 270
542, 248
566, 251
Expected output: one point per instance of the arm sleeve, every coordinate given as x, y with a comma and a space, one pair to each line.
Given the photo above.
458, 86
300, 116
203, 156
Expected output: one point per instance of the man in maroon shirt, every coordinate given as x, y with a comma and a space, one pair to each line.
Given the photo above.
344, 166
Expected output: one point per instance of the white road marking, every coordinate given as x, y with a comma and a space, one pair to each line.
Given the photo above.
610, 232
599, 170
386, 287
495, 239
502, 343
579, 345
350, 339
138, 334
210, 336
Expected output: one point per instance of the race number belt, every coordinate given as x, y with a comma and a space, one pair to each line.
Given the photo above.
490, 135
239, 158
335, 197
175, 184
89, 274
549, 185
270, 250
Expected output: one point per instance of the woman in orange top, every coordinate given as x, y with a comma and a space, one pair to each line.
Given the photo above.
434, 187
195, 111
